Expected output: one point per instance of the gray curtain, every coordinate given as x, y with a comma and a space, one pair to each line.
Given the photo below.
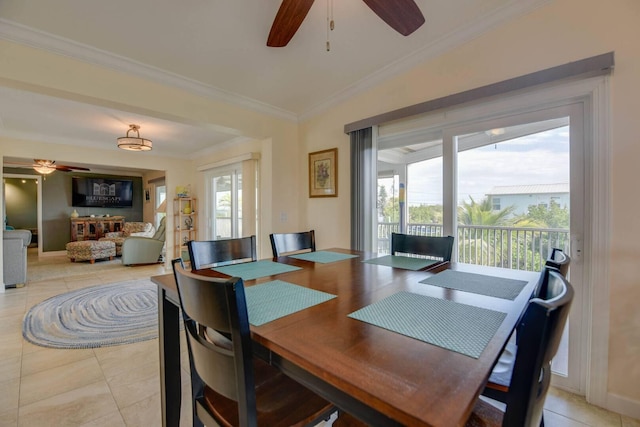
362, 180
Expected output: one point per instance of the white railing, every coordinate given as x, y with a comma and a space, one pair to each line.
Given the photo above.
521, 248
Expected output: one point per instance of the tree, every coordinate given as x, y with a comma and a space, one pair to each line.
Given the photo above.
543, 216
482, 213
425, 214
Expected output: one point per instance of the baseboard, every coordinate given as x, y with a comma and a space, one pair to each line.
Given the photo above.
623, 405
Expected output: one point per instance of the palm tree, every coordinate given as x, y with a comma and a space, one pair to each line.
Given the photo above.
482, 213
479, 244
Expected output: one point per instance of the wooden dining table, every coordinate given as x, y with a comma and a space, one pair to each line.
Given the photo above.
380, 376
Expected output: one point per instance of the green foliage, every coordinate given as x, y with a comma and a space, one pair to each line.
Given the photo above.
425, 214
481, 213
540, 216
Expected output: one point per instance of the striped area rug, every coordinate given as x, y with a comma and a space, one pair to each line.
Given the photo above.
96, 316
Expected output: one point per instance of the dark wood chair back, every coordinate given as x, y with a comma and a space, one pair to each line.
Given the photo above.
224, 371
435, 247
210, 253
218, 337
559, 260
539, 334
284, 243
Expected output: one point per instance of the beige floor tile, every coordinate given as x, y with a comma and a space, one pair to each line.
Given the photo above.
630, 422
146, 412
61, 379
136, 355
576, 408
9, 394
11, 344
50, 358
9, 418
10, 368
73, 408
551, 419
135, 385
113, 419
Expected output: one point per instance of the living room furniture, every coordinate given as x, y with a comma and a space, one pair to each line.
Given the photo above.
285, 243
133, 228
144, 250
185, 223
210, 253
380, 376
14, 257
231, 386
90, 250
93, 228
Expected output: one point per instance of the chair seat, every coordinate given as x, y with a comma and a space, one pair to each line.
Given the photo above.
500, 377
485, 415
280, 401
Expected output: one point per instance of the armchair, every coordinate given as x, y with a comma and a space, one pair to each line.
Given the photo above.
144, 250
143, 229
14, 257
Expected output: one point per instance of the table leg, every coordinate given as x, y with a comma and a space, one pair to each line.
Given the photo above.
169, 340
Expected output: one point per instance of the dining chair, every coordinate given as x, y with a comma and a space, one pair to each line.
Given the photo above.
285, 243
232, 387
560, 260
431, 246
211, 253
539, 331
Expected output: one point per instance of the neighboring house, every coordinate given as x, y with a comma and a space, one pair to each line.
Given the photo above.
523, 196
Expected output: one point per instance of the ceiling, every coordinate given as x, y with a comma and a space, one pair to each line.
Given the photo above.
218, 47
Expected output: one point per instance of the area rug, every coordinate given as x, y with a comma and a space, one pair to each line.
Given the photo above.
96, 316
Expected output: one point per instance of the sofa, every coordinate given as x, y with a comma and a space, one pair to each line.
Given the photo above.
140, 229
14, 257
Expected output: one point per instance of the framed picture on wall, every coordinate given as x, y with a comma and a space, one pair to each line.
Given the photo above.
323, 173
147, 195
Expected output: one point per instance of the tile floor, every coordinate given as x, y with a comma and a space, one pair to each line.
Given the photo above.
119, 386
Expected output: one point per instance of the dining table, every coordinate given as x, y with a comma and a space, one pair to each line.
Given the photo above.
391, 342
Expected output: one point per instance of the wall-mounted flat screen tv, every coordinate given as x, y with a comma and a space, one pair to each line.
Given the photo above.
101, 192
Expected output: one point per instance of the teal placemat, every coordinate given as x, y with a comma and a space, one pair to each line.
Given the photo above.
408, 263
498, 287
323, 257
254, 270
272, 300
457, 327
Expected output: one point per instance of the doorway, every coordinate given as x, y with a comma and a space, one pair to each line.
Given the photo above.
22, 199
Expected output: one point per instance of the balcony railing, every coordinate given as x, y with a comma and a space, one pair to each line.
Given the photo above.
521, 248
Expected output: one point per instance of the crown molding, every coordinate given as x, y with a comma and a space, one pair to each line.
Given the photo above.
28, 36
437, 47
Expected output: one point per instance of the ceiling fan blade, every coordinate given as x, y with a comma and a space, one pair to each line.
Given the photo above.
73, 168
287, 21
404, 16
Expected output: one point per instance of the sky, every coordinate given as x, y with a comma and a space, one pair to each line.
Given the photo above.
541, 158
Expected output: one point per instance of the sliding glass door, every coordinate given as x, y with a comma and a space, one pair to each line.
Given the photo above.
224, 205
508, 189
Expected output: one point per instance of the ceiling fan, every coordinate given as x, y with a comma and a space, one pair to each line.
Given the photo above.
46, 167
404, 16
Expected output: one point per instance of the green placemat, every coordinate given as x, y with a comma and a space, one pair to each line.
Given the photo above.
457, 327
408, 263
492, 286
272, 300
323, 257
254, 270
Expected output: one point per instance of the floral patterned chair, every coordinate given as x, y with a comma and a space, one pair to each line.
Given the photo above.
142, 229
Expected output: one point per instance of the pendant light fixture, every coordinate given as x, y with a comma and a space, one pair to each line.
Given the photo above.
134, 143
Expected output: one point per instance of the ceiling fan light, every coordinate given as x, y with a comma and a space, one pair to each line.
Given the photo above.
44, 169
134, 143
